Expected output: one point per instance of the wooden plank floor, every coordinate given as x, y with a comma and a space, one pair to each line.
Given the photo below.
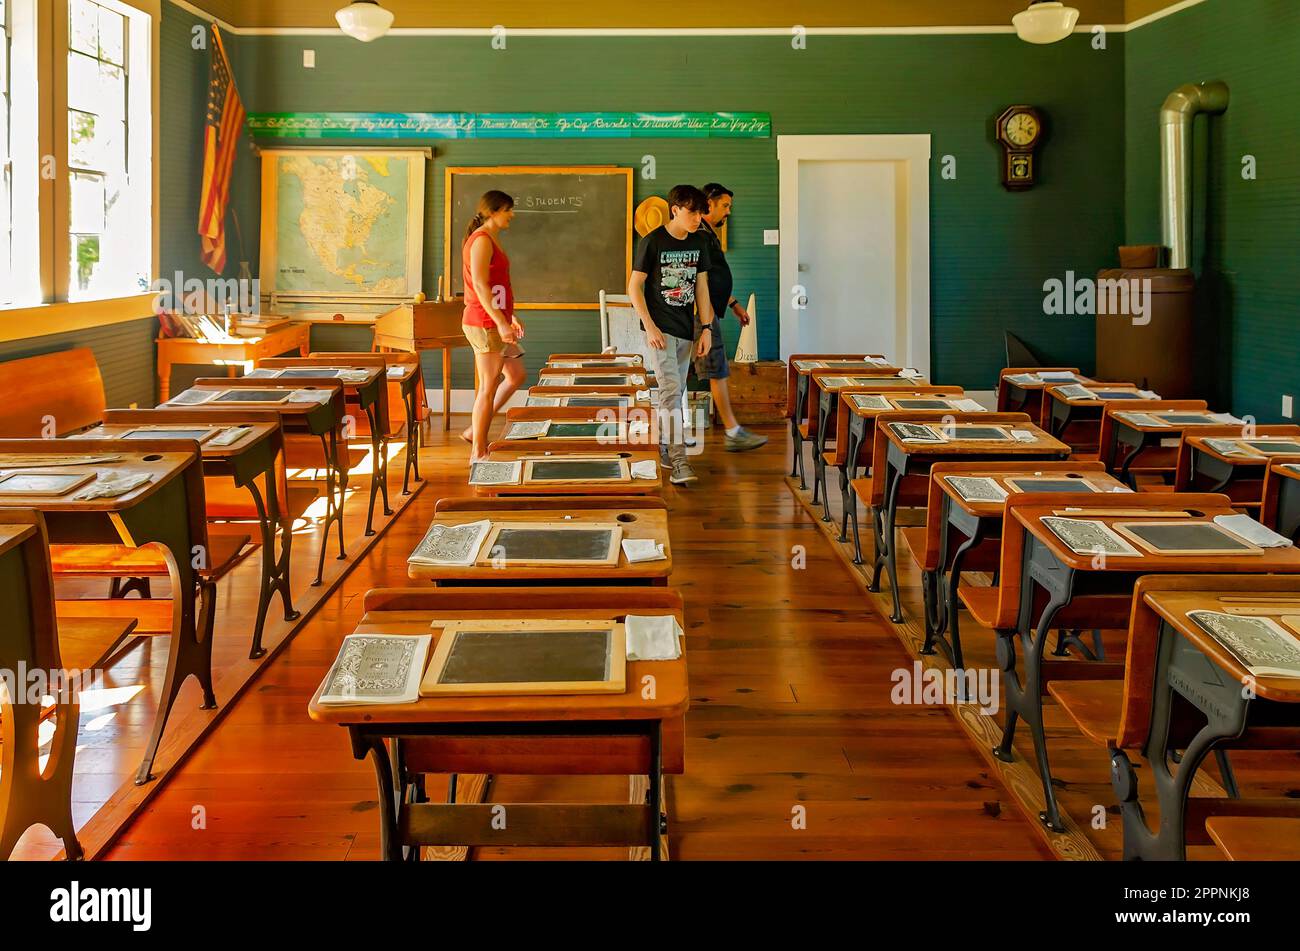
790, 682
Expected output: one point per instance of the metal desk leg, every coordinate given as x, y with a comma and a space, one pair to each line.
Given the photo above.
390, 844
887, 536
656, 819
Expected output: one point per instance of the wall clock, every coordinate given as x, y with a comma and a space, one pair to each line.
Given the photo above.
1020, 130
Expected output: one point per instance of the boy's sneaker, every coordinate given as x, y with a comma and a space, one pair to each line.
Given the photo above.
664, 461
682, 473
744, 441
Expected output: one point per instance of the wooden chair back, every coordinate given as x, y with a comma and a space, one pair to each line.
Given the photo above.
53, 394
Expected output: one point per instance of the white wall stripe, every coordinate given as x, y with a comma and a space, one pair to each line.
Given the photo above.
678, 31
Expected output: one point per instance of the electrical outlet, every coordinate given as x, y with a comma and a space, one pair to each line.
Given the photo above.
772, 237
309, 59
1288, 409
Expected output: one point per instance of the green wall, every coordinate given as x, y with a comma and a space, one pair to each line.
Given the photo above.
991, 251
1246, 230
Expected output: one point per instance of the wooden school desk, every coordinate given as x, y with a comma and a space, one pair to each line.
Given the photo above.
621, 428
639, 517
1077, 419
428, 325
240, 353
1142, 438
600, 376
855, 425
32, 793
303, 420
966, 535
899, 460
823, 401
589, 734
1281, 508
832, 418
1238, 474
403, 372
370, 393
1048, 579
162, 513
570, 357
1020, 389
509, 452
631, 364
590, 397
796, 392
1184, 690
257, 455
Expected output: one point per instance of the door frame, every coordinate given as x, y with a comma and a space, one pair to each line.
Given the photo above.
912, 153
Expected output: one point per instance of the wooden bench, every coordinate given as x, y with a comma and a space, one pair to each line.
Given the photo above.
53, 394
1255, 839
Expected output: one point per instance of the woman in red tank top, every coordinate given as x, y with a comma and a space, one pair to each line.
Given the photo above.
489, 320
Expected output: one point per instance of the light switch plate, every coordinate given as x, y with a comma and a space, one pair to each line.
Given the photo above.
1288, 407
772, 237
309, 59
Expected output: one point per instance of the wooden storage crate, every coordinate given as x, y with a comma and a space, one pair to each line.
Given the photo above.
758, 391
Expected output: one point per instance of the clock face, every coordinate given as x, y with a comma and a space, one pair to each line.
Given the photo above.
1020, 128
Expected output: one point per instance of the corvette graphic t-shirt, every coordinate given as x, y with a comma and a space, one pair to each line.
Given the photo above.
671, 266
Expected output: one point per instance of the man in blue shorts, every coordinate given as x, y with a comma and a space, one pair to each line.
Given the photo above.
713, 365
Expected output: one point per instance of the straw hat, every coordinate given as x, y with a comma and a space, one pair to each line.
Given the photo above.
650, 214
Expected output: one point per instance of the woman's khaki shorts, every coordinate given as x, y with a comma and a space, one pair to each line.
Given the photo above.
488, 340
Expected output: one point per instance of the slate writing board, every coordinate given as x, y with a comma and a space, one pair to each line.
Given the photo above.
307, 373
1117, 395
1051, 485
520, 543
571, 236
545, 470
1194, 536
922, 404
978, 432
501, 657
198, 435
612, 379
570, 430
1185, 419
1289, 448
253, 396
596, 401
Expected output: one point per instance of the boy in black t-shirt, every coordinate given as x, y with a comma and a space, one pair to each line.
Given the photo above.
668, 286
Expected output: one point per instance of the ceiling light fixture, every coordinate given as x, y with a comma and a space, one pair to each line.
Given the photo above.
365, 20
1046, 21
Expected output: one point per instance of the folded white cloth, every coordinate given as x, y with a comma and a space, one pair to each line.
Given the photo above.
910, 373
1022, 435
353, 376
1252, 531
109, 485
643, 396
642, 549
1149, 394
310, 396
645, 469
653, 638
398, 370
968, 406
229, 436
1227, 419
1049, 376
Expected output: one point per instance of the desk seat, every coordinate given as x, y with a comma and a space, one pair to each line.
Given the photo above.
150, 617
808, 429
1093, 705
981, 602
914, 539
1255, 838
86, 642
914, 492
120, 561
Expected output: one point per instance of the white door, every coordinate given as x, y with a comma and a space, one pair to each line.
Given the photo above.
855, 246
848, 257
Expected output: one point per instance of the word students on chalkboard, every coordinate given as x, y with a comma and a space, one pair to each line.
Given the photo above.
489, 322
669, 286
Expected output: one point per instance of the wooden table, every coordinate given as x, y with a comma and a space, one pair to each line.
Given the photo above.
593, 734
322, 419
824, 387
571, 397
639, 517
370, 392
1055, 576
512, 451
258, 454
242, 353
1180, 668
956, 528
427, 325
1020, 389
904, 458
157, 513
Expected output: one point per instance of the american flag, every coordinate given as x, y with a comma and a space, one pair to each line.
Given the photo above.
220, 138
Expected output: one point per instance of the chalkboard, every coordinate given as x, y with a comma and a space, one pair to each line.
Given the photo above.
528, 656
1184, 538
1265, 446
1051, 485
1186, 419
553, 543
979, 432
582, 430
570, 239
577, 470
596, 401
923, 404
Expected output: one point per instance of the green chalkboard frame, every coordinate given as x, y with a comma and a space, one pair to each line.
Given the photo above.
448, 203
